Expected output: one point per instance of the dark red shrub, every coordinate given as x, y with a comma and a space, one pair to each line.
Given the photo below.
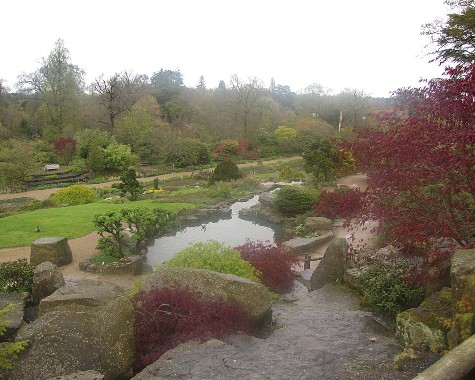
274, 265
343, 203
65, 148
164, 318
219, 150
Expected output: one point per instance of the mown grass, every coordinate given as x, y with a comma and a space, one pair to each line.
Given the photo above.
71, 222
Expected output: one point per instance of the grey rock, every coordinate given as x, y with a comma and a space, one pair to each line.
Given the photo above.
353, 278
14, 316
250, 295
332, 265
53, 249
302, 245
86, 292
314, 223
81, 375
47, 278
267, 199
129, 266
76, 337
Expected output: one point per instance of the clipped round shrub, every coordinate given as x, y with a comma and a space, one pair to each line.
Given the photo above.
293, 200
214, 256
74, 195
164, 318
273, 264
16, 276
225, 171
386, 290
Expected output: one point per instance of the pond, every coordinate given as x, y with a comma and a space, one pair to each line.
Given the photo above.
232, 231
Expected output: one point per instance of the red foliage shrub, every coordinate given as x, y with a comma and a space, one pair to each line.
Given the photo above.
274, 265
65, 148
219, 150
163, 318
345, 203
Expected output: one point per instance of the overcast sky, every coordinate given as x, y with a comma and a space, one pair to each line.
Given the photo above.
371, 45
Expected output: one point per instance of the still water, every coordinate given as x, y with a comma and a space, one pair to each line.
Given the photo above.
232, 232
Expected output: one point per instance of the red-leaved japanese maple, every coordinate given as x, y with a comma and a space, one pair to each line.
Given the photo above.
65, 148
164, 318
421, 169
274, 265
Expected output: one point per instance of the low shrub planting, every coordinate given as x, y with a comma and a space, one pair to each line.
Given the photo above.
16, 276
293, 200
386, 290
215, 256
220, 190
164, 318
274, 265
343, 203
73, 195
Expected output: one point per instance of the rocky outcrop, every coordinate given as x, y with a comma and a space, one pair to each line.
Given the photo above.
267, 199
252, 296
317, 224
88, 330
47, 278
302, 245
353, 278
90, 293
14, 316
53, 249
130, 266
332, 265
462, 274
425, 327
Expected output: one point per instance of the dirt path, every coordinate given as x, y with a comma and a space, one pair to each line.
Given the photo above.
44, 194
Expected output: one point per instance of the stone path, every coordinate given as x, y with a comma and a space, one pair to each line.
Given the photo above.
322, 335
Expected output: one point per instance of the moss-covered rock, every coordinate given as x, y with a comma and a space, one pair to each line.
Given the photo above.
426, 327
254, 297
462, 274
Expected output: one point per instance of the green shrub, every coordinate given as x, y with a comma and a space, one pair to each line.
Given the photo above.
216, 257
35, 204
8, 351
74, 195
16, 276
386, 290
220, 190
293, 200
225, 171
103, 259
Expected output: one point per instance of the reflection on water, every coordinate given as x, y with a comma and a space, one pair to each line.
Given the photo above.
232, 232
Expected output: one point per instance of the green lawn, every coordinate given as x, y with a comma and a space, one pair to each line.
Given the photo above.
71, 222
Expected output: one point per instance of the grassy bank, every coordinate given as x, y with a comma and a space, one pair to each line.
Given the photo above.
73, 221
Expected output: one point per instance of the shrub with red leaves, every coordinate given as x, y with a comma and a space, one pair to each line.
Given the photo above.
65, 148
340, 204
274, 265
164, 318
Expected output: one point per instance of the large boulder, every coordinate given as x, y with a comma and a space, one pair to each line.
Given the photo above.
426, 327
128, 266
267, 199
92, 334
317, 223
47, 278
53, 249
14, 317
332, 265
303, 245
254, 297
86, 292
462, 275
81, 375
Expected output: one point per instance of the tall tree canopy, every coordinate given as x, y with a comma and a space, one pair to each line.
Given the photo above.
454, 39
57, 84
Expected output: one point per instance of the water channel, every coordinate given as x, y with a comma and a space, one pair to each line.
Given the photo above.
232, 231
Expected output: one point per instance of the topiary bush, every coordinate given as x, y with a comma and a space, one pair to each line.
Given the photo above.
293, 200
387, 291
225, 171
73, 195
16, 276
214, 256
274, 265
164, 318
